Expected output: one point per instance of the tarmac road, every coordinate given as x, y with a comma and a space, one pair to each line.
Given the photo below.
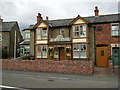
30, 79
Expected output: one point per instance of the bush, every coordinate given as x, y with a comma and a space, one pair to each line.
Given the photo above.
29, 57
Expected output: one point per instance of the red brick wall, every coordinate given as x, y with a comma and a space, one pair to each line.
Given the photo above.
71, 67
104, 36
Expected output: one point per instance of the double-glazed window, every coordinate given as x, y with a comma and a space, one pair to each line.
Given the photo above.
79, 31
79, 51
41, 33
27, 35
42, 51
115, 29
0, 37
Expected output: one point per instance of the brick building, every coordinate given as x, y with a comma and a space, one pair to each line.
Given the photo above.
80, 38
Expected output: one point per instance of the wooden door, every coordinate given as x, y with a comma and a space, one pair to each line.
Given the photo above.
62, 54
102, 56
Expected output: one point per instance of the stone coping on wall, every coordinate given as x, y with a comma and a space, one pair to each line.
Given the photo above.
67, 66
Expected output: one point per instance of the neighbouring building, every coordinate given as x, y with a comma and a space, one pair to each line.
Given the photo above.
7, 38
25, 44
80, 38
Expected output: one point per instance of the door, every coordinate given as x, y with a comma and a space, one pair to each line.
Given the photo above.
62, 54
102, 56
115, 55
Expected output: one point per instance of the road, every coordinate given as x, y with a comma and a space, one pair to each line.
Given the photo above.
30, 79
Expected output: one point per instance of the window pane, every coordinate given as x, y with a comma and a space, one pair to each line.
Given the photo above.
82, 50
115, 27
76, 47
76, 28
44, 33
38, 33
27, 35
83, 54
115, 33
76, 54
76, 34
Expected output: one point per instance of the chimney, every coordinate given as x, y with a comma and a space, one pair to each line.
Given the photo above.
39, 17
47, 18
96, 11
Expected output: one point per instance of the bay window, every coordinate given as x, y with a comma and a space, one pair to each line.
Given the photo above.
79, 51
79, 31
42, 51
41, 33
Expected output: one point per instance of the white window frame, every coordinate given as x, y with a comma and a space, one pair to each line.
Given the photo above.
79, 51
40, 33
0, 37
42, 51
77, 31
27, 35
115, 30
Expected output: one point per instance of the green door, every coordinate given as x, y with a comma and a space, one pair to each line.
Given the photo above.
115, 55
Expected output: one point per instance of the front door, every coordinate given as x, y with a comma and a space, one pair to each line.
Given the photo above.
102, 56
62, 54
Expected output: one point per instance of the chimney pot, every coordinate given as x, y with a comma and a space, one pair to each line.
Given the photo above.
96, 11
47, 18
39, 17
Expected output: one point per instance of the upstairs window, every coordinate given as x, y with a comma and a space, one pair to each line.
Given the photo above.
115, 29
62, 32
27, 35
41, 33
79, 31
0, 37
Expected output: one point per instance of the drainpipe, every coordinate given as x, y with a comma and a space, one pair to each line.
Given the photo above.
94, 43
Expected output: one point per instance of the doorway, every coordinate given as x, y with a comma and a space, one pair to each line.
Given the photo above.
102, 56
62, 54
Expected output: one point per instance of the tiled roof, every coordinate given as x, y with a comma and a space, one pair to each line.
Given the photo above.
6, 26
29, 28
91, 19
25, 43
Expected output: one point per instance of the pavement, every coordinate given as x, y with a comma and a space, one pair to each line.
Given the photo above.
30, 79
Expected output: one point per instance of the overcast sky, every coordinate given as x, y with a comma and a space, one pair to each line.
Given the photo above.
25, 11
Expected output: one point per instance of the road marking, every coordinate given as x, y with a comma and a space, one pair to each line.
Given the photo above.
1, 86
61, 78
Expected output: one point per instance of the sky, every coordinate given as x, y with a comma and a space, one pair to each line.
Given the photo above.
25, 11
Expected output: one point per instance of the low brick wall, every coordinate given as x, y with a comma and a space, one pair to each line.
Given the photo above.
71, 67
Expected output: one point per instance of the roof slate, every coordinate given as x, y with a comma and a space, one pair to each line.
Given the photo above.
6, 26
92, 19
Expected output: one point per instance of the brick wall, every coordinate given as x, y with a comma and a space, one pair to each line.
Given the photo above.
104, 36
70, 67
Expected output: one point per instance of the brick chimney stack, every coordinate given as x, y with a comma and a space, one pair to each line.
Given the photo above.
96, 11
47, 18
39, 17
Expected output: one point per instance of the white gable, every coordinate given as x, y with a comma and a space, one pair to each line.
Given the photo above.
42, 25
79, 21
